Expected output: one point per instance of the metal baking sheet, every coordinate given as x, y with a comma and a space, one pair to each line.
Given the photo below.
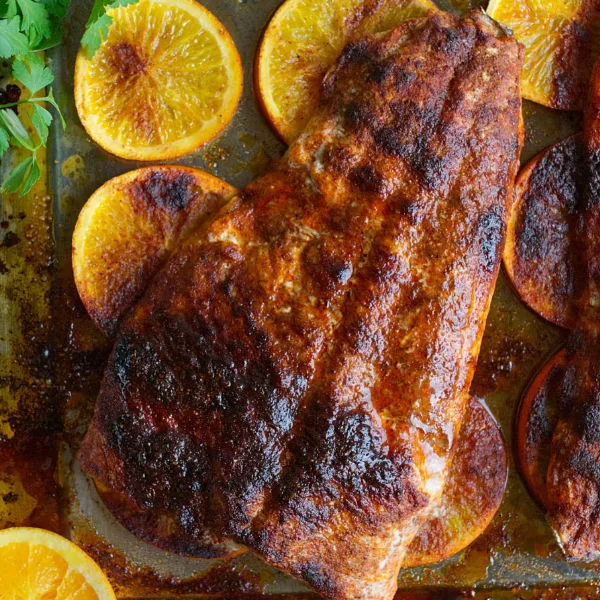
52, 357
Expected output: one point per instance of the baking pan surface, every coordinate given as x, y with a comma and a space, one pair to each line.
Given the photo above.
52, 358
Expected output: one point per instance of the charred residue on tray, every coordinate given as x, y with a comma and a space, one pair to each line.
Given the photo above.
30, 419
29, 491
513, 343
41, 367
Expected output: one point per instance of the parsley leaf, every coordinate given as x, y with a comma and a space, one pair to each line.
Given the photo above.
35, 21
32, 176
98, 24
33, 74
95, 34
41, 119
16, 129
4, 141
56, 8
21, 175
12, 41
50, 99
98, 10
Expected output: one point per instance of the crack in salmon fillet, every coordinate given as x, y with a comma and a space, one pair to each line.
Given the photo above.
295, 377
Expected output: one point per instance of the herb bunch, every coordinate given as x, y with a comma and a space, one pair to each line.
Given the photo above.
27, 27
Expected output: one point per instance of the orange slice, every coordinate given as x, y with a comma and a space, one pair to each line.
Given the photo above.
304, 39
167, 79
472, 494
536, 421
37, 564
561, 39
537, 254
127, 229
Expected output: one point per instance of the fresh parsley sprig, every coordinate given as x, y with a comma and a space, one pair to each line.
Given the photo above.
28, 27
98, 24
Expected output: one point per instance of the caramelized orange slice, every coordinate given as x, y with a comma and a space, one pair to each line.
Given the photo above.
167, 79
37, 564
561, 39
472, 494
536, 420
304, 39
127, 229
537, 254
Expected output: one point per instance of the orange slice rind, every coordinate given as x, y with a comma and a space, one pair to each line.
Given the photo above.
535, 424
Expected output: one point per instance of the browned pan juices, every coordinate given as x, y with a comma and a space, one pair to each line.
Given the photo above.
52, 358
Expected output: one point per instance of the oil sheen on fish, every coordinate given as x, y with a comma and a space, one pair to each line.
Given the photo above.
295, 377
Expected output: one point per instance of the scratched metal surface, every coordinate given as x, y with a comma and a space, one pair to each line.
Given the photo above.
518, 549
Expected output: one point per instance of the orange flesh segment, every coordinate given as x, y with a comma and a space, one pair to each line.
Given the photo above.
561, 43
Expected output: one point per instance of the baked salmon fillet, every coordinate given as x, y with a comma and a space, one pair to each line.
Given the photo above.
295, 377
574, 469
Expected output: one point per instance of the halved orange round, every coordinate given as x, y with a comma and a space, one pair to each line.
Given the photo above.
538, 254
302, 42
536, 420
37, 564
129, 226
167, 79
473, 491
561, 39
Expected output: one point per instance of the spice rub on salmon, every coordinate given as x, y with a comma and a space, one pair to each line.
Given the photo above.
295, 377
573, 479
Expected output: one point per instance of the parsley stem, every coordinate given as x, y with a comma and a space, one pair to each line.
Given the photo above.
29, 101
